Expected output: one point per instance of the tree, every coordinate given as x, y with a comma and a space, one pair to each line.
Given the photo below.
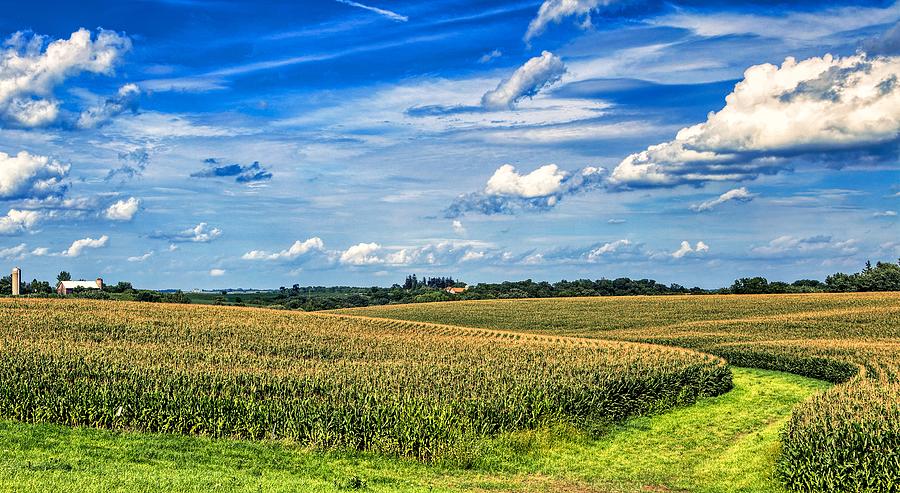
64, 276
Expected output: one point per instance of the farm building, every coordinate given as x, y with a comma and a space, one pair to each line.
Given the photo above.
453, 290
67, 287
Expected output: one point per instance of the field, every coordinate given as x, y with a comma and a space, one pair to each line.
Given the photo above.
405, 389
518, 395
847, 439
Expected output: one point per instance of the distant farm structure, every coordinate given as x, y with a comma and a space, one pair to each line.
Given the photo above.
16, 281
69, 287
455, 290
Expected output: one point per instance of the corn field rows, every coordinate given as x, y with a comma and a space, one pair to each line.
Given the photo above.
846, 439
410, 389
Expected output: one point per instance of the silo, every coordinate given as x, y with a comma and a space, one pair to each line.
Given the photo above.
16, 281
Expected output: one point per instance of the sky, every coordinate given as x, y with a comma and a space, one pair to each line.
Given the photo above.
214, 143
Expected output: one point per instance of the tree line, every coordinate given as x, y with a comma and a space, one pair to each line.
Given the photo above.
883, 276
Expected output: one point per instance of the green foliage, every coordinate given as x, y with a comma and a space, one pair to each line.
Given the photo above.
64, 276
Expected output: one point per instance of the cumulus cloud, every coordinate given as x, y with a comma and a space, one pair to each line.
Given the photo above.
382, 12
507, 191
17, 222
525, 82
298, 249
200, 233
126, 99
141, 258
458, 227
554, 11
40, 252
362, 254
30, 176
687, 250
123, 210
820, 108
78, 246
736, 194
30, 69
15, 252
788, 245
217, 272
242, 173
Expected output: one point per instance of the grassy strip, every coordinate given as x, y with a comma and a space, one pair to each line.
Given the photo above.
722, 444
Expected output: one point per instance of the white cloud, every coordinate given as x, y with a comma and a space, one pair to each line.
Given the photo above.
554, 11
788, 245
30, 68
16, 221
816, 106
30, 176
13, 252
123, 210
382, 12
141, 258
458, 227
885, 214
217, 272
200, 233
362, 254
126, 99
507, 191
792, 26
609, 249
736, 194
296, 250
686, 249
616, 221
544, 181
40, 252
490, 56
526, 81
78, 246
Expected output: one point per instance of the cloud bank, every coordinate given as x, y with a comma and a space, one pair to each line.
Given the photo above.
819, 108
299, 248
30, 69
30, 176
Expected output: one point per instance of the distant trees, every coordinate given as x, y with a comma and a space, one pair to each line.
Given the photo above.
64, 276
882, 277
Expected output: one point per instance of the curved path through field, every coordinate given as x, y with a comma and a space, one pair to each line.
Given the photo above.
723, 444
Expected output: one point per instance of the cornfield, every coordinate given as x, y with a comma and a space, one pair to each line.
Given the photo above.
846, 439
410, 389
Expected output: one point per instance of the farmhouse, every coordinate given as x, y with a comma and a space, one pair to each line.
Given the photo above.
453, 290
67, 287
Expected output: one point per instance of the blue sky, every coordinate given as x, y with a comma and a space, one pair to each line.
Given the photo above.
202, 144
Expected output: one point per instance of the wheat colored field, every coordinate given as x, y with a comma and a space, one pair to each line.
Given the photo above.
847, 439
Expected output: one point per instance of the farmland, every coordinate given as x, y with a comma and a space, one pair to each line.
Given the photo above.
851, 339
525, 395
406, 389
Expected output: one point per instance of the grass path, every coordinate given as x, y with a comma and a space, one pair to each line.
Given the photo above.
721, 444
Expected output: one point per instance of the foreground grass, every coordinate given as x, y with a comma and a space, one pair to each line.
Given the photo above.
722, 444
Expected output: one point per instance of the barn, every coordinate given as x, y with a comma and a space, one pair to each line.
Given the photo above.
68, 287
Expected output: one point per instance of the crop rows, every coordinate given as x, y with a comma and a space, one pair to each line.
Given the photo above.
403, 388
846, 439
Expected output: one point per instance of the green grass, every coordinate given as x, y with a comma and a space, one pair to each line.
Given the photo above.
722, 444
